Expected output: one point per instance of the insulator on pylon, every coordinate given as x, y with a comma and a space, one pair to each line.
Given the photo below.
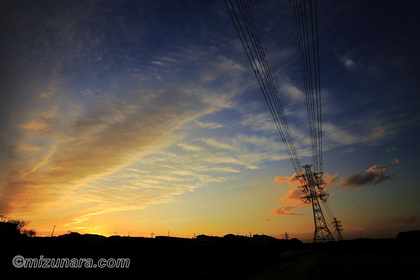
321, 185
305, 199
313, 183
323, 196
303, 188
319, 174
300, 177
338, 228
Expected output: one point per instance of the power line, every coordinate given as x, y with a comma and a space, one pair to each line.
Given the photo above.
338, 229
312, 185
251, 41
307, 40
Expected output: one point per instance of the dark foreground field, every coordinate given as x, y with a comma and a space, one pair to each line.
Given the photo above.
219, 258
348, 265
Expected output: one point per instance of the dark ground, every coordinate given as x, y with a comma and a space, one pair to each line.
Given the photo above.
348, 265
221, 258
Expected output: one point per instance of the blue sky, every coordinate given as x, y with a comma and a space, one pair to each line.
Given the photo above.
146, 117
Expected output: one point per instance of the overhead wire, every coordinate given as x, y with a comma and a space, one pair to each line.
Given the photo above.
319, 88
300, 41
248, 33
307, 38
308, 48
271, 80
307, 41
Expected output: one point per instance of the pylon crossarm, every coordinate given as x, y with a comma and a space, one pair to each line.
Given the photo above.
303, 188
319, 174
312, 184
321, 185
323, 196
305, 199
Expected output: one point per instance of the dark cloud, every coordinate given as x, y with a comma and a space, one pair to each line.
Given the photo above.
372, 176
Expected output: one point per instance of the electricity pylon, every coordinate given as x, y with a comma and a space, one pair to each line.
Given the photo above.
338, 228
312, 185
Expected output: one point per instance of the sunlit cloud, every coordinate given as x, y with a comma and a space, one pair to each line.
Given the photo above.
285, 211
294, 194
290, 180
293, 197
377, 133
112, 112
69, 140
160, 176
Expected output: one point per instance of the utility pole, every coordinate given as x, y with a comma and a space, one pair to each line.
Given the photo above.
338, 228
52, 233
312, 185
286, 236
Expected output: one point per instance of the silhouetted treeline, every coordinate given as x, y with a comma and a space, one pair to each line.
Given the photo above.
256, 241
215, 257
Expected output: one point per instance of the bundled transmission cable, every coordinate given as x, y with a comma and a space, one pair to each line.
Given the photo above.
307, 39
251, 40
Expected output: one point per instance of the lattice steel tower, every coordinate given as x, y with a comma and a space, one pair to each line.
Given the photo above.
312, 185
338, 228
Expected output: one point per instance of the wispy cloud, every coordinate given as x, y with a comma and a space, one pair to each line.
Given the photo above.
285, 211
159, 176
290, 180
71, 137
405, 220
190, 148
291, 91
335, 135
378, 133
259, 122
348, 62
209, 125
220, 145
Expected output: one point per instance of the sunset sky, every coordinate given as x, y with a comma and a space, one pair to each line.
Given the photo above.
140, 117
